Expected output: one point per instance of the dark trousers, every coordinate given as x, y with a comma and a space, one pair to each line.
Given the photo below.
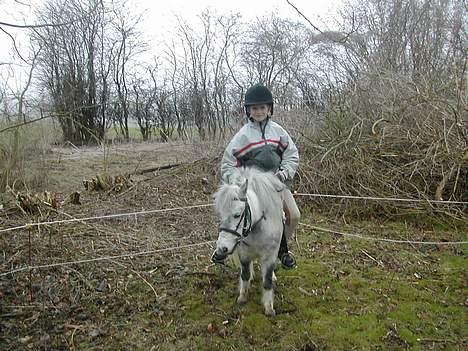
283, 245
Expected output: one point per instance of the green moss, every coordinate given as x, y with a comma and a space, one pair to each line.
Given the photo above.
434, 221
453, 264
337, 303
256, 326
336, 300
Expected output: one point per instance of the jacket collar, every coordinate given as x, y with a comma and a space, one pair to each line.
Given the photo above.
259, 125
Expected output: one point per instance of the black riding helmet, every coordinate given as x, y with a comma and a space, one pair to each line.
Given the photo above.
258, 95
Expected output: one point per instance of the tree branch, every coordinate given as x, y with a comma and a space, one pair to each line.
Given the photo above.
29, 26
14, 45
303, 16
24, 123
329, 34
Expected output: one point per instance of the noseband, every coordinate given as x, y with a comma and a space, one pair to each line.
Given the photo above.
247, 226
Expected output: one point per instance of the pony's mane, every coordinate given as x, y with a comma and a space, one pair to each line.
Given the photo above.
264, 184
225, 195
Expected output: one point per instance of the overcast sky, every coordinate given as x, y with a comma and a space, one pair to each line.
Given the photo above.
159, 16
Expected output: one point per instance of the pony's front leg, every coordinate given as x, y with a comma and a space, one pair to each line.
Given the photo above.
268, 275
244, 281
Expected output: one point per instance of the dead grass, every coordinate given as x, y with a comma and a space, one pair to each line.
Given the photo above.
345, 294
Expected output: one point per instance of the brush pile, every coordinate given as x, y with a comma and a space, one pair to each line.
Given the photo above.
393, 139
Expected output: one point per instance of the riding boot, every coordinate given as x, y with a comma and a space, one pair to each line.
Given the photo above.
286, 257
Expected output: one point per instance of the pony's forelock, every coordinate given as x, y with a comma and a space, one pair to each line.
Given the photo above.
264, 184
223, 198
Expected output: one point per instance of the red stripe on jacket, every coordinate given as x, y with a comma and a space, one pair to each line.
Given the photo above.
257, 143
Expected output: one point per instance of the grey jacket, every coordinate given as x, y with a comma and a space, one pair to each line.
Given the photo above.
265, 145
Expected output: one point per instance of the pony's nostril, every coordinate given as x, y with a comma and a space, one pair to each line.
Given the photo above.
225, 249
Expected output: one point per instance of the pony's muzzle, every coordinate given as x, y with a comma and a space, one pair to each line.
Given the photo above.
218, 257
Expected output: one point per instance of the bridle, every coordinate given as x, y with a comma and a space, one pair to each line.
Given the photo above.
247, 225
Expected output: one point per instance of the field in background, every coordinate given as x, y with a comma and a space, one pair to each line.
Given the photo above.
38, 160
381, 116
347, 294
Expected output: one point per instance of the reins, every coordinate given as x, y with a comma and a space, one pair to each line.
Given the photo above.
247, 226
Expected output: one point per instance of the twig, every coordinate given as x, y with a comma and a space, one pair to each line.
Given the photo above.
372, 258
200, 273
138, 274
24, 123
158, 168
30, 264
10, 190
73, 145
305, 292
450, 341
303, 16
127, 190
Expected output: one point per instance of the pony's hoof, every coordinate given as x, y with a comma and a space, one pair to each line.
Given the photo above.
241, 300
273, 278
270, 312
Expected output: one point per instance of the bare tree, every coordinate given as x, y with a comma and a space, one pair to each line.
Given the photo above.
68, 67
273, 54
144, 104
127, 47
85, 61
196, 50
164, 106
177, 84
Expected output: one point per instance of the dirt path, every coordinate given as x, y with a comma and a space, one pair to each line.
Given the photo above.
66, 167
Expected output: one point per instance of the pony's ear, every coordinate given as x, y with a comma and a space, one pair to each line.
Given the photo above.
243, 190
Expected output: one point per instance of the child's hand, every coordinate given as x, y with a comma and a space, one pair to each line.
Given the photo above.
281, 175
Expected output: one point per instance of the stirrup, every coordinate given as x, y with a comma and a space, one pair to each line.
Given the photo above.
287, 260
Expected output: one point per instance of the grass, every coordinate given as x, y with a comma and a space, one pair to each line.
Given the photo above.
347, 294
18, 147
335, 300
191, 133
133, 133
357, 310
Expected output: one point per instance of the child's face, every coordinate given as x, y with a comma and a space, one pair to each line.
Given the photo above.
259, 112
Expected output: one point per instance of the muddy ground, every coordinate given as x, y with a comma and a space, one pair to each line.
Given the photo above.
145, 282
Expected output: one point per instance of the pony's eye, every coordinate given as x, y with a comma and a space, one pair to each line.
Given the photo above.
237, 216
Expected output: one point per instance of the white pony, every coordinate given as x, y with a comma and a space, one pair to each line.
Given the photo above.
251, 224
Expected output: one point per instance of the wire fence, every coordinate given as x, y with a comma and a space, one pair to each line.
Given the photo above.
394, 241
137, 213
175, 248
389, 199
149, 252
105, 258
115, 215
